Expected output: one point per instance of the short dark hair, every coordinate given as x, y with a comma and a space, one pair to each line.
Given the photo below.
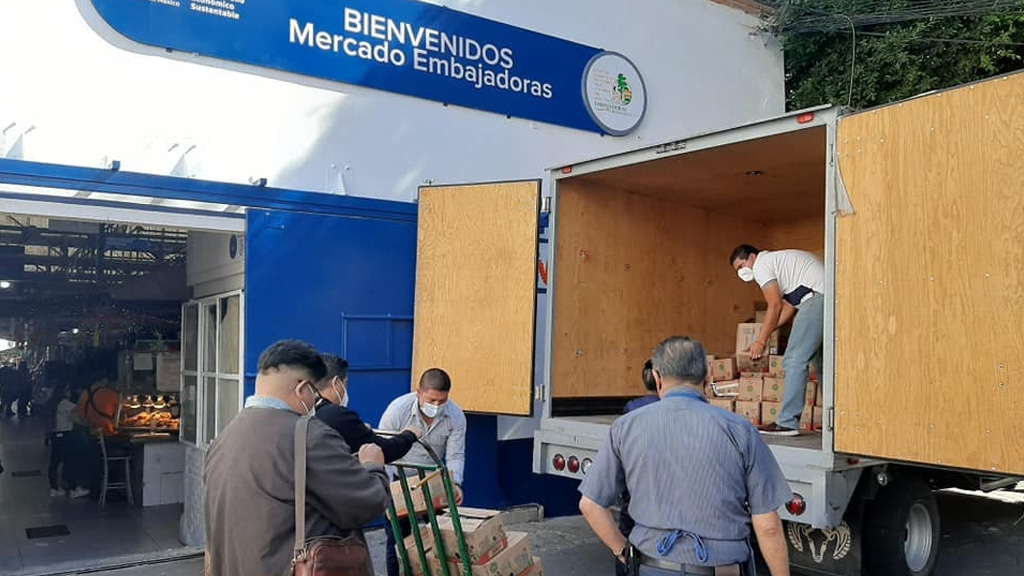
336, 366
647, 375
295, 354
681, 358
436, 379
742, 252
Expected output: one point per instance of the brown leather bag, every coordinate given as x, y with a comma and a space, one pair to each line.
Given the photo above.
324, 555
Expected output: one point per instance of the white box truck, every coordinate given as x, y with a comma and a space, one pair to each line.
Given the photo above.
917, 210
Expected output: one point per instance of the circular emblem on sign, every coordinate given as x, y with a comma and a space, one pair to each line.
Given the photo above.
614, 93
233, 247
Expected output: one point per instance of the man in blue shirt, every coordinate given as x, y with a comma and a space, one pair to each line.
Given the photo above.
700, 478
625, 521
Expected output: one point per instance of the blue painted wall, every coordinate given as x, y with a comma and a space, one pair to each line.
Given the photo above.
333, 281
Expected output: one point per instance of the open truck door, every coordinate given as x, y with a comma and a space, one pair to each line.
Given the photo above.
929, 304
929, 352
476, 292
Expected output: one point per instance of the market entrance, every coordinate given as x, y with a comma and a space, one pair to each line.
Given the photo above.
240, 241
121, 345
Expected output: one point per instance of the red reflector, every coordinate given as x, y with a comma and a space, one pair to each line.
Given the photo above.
567, 170
805, 118
574, 464
853, 461
797, 505
559, 462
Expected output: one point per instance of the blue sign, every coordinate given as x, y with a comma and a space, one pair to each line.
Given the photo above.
402, 46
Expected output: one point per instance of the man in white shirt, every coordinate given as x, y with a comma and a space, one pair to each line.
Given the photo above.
443, 427
792, 281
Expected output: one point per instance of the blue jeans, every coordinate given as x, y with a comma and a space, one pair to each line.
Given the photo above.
805, 343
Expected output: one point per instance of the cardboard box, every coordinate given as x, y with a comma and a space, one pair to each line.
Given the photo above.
710, 361
484, 532
819, 396
746, 334
811, 395
807, 418
426, 534
434, 483
746, 364
773, 389
750, 410
751, 388
516, 558
760, 316
775, 369
770, 412
817, 417
728, 389
724, 403
723, 369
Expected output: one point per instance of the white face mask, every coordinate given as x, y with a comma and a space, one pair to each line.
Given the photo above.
342, 398
311, 408
746, 274
432, 410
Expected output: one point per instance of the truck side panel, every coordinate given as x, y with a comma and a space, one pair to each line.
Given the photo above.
930, 280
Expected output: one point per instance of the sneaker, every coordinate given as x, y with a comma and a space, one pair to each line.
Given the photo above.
57, 493
774, 429
79, 492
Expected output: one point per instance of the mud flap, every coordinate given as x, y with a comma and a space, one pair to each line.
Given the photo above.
835, 552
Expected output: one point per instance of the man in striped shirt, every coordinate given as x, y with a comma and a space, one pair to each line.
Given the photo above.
699, 477
442, 426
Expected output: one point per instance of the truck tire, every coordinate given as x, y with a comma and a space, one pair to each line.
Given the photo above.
901, 531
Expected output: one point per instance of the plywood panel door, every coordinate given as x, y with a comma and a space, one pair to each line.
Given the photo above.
476, 284
930, 280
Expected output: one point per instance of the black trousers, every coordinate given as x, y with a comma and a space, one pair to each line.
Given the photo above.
391, 553
626, 525
62, 468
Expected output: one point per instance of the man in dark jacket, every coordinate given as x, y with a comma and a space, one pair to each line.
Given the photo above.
332, 409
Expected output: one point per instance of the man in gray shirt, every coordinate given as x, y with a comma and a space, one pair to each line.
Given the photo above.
699, 477
249, 477
442, 426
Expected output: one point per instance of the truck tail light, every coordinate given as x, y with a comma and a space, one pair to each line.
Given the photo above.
796, 505
558, 462
574, 464
585, 465
805, 118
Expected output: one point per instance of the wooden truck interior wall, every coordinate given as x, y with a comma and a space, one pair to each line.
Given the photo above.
642, 253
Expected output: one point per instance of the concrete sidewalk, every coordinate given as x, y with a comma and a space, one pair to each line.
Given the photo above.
566, 546
981, 536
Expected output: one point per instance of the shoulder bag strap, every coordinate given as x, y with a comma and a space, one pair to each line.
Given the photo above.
301, 433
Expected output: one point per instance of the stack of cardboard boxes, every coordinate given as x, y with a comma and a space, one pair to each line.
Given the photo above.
419, 500
754, 388
491, 549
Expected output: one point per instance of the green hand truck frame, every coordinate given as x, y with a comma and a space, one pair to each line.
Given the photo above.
423, 474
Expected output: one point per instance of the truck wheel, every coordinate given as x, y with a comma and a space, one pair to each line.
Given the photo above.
901, 532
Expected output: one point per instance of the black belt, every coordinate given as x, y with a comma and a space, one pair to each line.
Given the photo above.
728, 570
